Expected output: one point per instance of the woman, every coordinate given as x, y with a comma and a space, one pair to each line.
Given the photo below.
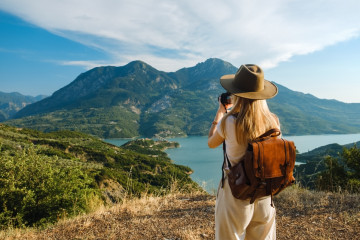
249, 118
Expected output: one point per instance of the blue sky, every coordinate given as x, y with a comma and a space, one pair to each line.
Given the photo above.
307, 46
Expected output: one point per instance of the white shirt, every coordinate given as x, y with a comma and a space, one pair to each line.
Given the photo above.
234, 150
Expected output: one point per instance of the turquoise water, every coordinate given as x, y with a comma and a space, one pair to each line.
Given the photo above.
118, 141
206, 163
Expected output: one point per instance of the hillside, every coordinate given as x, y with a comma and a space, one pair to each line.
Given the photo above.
11, 103
139, 100
302, 114
47, 175
314, 162
301, 214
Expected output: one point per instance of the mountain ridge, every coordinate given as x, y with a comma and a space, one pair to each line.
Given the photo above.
11, 103
177, 103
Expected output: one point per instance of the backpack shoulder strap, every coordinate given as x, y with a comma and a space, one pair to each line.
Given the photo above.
274, 132
226, 162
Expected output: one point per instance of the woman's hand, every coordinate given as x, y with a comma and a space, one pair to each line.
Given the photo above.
223, 109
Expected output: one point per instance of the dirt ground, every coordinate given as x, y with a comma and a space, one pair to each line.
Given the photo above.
301, 214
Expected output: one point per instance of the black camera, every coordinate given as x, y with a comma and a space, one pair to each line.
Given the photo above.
225, 98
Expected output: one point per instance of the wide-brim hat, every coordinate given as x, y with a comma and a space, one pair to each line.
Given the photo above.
249, 82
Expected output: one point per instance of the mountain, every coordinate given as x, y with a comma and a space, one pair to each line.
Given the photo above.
302, 114
138, 100
11, 103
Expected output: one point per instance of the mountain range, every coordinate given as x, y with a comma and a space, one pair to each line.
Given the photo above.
11, 103
139, 100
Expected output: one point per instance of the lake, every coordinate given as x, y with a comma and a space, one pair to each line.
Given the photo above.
206, 162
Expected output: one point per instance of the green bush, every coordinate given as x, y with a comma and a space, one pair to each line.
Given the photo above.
342, 173
34, 191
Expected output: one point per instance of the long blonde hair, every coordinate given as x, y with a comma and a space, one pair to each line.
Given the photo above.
253, 118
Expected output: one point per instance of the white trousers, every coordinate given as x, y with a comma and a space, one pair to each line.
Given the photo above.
238, 219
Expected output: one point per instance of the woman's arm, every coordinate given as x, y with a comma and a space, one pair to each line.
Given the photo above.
214, 138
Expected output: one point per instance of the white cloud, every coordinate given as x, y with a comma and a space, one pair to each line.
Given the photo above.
170, 34
85, 64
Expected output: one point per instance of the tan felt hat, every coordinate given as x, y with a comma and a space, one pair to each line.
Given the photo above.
249, 82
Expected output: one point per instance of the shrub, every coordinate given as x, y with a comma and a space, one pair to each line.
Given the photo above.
342, 173
34, 191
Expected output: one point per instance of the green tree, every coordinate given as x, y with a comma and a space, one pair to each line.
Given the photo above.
341, 173
352, 160
351, 157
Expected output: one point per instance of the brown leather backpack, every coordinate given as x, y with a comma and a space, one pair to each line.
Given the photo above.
266, 169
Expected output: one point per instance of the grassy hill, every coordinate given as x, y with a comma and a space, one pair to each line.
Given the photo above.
107, 122
44, 176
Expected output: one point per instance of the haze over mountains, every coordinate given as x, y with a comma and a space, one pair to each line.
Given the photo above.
11, 103
138, 100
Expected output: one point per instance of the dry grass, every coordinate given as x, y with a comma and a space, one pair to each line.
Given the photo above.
175, 216
301, 214
305, 214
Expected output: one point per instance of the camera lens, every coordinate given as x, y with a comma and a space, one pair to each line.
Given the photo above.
225, 98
